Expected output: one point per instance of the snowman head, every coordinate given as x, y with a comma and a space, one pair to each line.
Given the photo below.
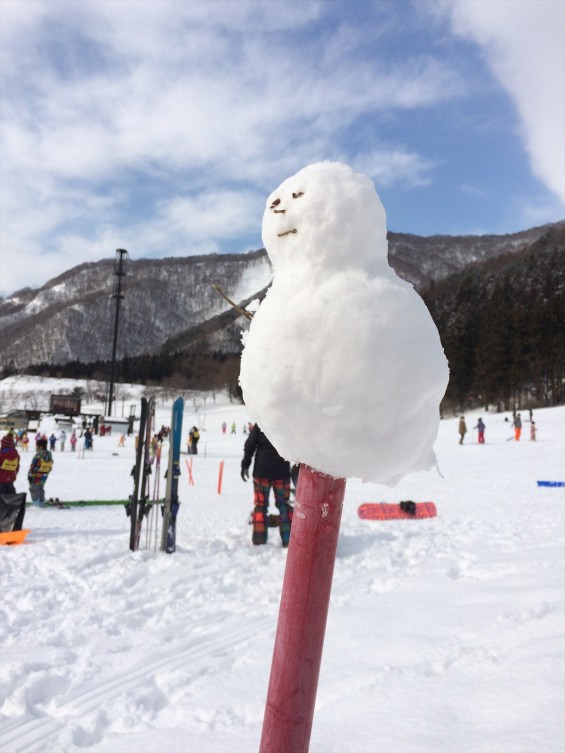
327, 217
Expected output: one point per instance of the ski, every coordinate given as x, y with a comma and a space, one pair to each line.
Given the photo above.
132, 507
85, 503
144, 506
171, 505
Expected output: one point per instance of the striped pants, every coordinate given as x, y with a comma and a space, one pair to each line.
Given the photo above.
260, 518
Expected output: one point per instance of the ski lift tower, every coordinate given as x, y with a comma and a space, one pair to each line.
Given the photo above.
119, 283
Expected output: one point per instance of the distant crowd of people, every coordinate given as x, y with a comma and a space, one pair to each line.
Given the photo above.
270, 470
481, 427
42, 461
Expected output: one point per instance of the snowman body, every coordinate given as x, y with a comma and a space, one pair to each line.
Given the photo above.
342, 367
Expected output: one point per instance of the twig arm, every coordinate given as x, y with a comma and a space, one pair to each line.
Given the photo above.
243, 312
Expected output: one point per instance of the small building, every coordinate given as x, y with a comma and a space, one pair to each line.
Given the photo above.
116, 425
24, 420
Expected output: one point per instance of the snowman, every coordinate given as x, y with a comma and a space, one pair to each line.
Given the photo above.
342, 366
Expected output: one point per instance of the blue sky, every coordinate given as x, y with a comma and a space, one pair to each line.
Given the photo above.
162, 127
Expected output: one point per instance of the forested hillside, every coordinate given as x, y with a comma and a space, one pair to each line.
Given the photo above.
501, 322
502, 325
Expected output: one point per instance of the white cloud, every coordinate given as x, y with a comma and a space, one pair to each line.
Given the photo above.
217, 215
391, 165
524, 45
157, 125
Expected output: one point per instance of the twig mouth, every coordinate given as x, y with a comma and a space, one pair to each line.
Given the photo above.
287, 232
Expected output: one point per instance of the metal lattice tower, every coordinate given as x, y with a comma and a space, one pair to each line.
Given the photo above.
119, 284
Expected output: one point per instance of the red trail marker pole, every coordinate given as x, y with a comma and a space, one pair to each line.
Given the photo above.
303, 612
220, 476
189, 469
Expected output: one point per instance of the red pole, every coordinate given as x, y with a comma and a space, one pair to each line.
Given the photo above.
220, 476
305, 599
189, 469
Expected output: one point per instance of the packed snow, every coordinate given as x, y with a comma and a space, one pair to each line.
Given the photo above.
342, 368
444, 635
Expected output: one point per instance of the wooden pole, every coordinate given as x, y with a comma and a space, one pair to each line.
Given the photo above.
305, 599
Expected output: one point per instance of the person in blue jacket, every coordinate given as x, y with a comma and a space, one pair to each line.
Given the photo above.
481, 429
39, 470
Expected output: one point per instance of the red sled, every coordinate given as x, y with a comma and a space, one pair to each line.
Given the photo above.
398, 511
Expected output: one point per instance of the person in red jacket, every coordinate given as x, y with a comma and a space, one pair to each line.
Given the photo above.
269, 470
9, 464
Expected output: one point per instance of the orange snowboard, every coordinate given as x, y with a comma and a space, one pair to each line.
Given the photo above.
13, 537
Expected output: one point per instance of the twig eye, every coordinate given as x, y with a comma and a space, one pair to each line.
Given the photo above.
297, 195
275, 203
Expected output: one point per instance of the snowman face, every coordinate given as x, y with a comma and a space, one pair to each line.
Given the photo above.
327, 217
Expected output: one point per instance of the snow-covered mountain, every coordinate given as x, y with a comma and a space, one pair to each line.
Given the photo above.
170, 304
72, 316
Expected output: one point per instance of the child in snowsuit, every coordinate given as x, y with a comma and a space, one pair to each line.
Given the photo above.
88, 440
194, 438
9, 465
481, 427
517, 424
269, 470
39, 470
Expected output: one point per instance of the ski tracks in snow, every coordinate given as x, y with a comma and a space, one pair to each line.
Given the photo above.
92, 701
167, 623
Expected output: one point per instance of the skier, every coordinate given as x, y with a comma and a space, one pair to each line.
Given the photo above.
88, 440
517, 424
73, 440
481, 427
39, 470
269, 470
533, 431
52, 442
194, 436
462, 429
63, 439
9, 464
